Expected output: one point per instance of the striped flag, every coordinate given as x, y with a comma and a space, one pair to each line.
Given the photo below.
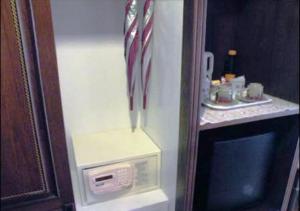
131, 45
147, 47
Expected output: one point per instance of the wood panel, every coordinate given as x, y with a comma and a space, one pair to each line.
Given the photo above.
23, 172
266, 35
34, 165
221, 28
270, 50
193, 47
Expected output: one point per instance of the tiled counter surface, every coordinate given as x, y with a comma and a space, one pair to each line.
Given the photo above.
210, 118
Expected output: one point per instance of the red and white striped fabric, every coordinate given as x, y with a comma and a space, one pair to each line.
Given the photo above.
147, 47
131, 45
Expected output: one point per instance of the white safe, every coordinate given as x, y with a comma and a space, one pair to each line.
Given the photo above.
115, 164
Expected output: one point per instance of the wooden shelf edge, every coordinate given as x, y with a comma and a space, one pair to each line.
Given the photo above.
247, 120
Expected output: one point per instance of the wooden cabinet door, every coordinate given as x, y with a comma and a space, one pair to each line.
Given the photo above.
34, 163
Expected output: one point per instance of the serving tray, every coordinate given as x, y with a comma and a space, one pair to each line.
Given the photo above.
236, 103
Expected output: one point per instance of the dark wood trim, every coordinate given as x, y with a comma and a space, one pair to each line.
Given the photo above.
51, 204
34, 33
28, 45
291, 180
193, 46
47, 66
16, 34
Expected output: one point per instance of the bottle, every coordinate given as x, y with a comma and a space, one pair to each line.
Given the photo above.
230, 69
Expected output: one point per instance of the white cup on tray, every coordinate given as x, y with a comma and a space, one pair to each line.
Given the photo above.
255, 91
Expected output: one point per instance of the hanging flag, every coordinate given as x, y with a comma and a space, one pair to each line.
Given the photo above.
147, 47
131, 45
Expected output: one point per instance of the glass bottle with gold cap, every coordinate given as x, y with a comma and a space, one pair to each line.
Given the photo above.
230, 68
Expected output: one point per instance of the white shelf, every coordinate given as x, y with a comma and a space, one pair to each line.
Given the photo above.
110, 146
210, 118
149, 201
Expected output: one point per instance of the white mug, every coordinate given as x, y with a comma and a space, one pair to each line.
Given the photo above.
255, 91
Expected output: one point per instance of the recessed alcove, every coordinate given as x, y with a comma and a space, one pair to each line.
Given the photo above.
266, 37
265, 34
92, 71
